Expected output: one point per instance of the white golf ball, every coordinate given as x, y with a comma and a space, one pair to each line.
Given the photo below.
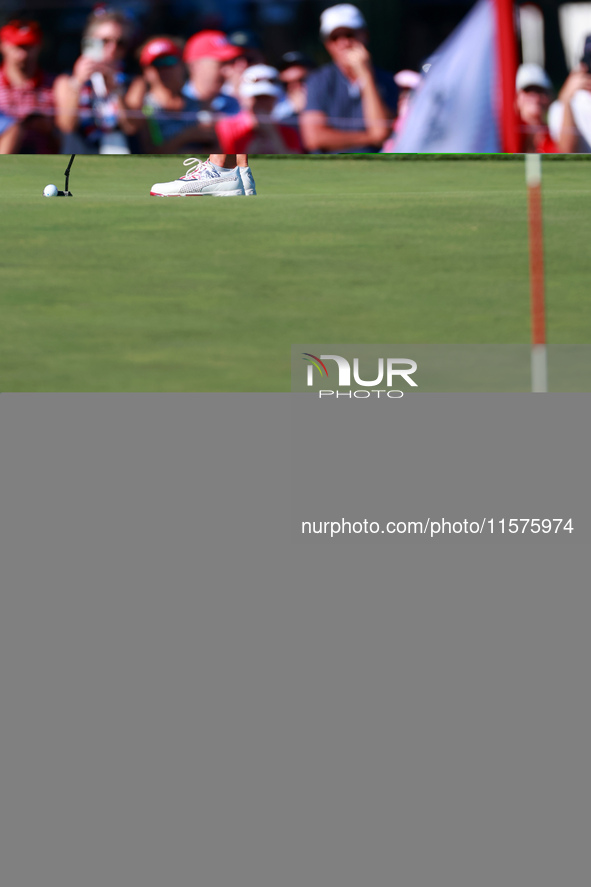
50, 191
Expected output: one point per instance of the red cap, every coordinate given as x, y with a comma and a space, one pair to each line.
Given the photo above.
158, 47
21, 34
210, 45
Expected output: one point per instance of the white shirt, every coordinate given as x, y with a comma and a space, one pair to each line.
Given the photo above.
581, 108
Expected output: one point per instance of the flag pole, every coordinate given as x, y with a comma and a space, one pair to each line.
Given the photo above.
507, 61
539, 359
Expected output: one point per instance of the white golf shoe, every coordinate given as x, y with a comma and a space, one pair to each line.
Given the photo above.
201, 180
247, 181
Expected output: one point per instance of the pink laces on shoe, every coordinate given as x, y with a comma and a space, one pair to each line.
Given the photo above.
196, 172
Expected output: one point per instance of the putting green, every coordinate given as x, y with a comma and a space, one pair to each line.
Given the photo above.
117, 291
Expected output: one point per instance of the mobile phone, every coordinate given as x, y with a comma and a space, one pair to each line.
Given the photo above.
93, 48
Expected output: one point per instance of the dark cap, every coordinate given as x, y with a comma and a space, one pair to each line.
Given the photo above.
290, 59
245, 40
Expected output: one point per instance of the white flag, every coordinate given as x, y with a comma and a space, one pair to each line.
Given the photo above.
455, 107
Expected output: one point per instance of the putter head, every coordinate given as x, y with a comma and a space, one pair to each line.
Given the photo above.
64, 194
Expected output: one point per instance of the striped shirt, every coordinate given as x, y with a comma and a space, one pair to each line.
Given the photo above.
33, 97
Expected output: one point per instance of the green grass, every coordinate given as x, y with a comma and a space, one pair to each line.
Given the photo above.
117, 291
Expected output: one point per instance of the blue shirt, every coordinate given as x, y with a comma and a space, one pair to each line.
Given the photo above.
332, 93
5, 122
221, 104
164, 125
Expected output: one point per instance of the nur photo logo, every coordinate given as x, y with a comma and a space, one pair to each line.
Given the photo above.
348, 379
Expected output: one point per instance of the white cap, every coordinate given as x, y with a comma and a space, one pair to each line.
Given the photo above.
261, 87
532, 75
407, 79
259, 72
345, 15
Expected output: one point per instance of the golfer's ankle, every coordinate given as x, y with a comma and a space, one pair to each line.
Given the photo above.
221, 160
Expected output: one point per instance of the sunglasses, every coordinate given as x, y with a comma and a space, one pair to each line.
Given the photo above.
535, 90
166, 61
119, 42
342, 35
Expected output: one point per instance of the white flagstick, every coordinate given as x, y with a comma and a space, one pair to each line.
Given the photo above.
539, 360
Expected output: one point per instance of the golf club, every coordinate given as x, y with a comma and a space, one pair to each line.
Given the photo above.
66, 192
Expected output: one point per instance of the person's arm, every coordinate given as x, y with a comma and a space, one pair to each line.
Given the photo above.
134, 102
319, 135
67, 95
377, 117
67, 99
135, 95
67, 90
318, 132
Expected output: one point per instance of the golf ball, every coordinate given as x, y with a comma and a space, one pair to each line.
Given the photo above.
50, 191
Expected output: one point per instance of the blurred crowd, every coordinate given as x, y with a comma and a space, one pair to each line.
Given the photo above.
211, 92
217, 92
555, 124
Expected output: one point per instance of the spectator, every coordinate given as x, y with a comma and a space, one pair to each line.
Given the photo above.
254, 130
259, 73
406, 81
350, 103
569, 117
206, 54
533, 97
167, 127
250, 54
91, 110
250, 46
26, 93
295, 69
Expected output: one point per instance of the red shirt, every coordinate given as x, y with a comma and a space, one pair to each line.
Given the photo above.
543, 141
34, 97
237, 135
546, 145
